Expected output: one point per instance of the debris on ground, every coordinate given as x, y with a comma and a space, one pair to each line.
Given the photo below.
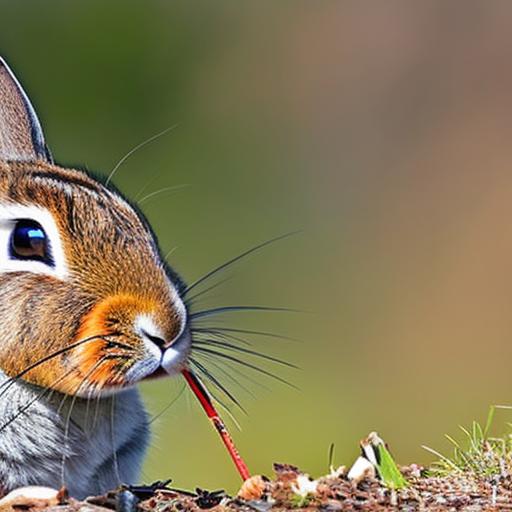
373, 483
291, 489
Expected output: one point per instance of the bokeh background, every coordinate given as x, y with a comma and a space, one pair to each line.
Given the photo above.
382, 130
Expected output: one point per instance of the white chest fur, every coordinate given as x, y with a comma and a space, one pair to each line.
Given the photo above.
101, 445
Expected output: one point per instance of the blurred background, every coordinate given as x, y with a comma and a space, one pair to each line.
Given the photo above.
380, 129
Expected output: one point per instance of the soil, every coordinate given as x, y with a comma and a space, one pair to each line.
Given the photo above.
333, 492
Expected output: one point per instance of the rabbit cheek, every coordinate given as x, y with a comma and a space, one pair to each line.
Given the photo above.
104, 362
95, 366
113, 316
93, 375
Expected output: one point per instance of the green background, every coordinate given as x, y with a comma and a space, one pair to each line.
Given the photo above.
380, 129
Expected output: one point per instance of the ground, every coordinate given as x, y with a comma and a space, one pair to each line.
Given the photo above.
333, 492
477, 476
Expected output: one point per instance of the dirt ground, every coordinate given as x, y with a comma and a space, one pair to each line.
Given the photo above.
290, 489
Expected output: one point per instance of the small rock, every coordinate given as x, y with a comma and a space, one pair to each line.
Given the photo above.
253, 488
32, 496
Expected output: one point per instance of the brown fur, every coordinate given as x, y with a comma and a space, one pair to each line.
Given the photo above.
115, 273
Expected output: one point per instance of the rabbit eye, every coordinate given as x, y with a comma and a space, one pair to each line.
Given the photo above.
29, 242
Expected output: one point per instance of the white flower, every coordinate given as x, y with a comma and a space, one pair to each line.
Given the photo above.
304, 486
361, 469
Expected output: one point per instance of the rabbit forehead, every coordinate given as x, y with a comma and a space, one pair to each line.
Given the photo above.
96, 227
82, 207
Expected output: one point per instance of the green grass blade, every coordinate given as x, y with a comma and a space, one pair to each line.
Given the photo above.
388, 470
490, 419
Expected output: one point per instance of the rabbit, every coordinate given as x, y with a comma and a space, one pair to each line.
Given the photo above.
88, 310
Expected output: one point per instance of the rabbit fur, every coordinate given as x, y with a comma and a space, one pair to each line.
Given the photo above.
83, 320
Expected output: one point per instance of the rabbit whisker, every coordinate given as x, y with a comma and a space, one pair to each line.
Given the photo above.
135, 149
9, 382
230, 262
160, 191
229, 376
221, 334
209, 376
232, 369
97, 400
172, 251
143, 189
69, 413
218, 400
88, 401
169, 405
227, 309
191, 300
96, 397
235, 348
216, 335
31, 402
115, 461
245, 331
245, 363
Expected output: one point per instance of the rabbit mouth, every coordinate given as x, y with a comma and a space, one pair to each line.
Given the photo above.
161, 361
103, 372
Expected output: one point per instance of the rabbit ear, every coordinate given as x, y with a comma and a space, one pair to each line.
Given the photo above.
21, 136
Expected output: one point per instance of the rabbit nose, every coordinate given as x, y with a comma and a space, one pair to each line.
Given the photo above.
157, 340
147, 329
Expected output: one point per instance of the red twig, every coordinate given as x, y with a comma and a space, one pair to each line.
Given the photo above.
204, 398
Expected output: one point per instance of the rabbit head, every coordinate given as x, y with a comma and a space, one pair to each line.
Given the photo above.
87, 305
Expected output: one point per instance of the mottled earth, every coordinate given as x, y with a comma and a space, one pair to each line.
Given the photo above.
291, 489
